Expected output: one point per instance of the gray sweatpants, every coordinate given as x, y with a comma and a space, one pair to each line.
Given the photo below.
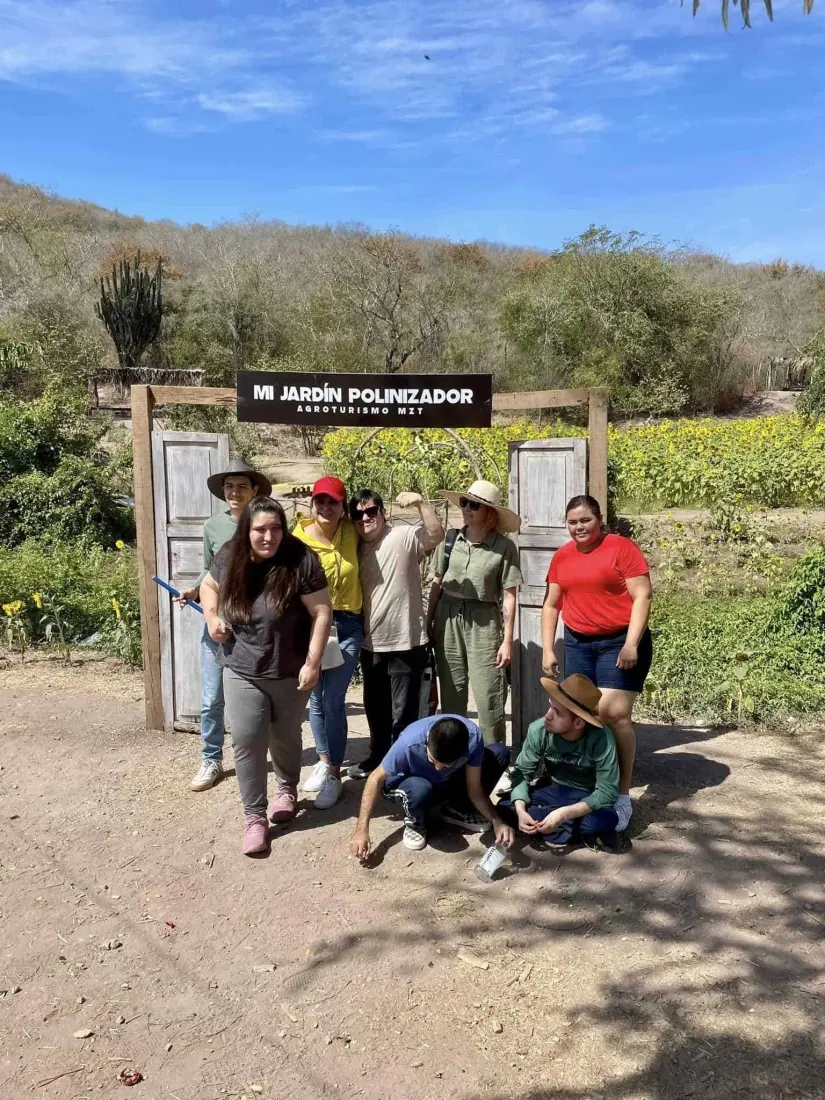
264, 714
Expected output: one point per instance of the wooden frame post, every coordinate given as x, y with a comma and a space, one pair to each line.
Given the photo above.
143, 403
597, 447
144, 399
597, 402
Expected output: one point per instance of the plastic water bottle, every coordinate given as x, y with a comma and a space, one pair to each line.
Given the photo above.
490, 862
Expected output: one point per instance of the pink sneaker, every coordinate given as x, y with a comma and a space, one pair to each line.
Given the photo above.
255, 834
283, 806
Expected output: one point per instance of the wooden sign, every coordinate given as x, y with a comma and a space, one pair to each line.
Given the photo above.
366, 400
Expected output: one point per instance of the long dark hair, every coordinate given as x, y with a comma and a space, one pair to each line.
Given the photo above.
281, 584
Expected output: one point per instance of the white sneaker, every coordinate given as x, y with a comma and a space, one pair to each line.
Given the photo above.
210, 772
329, 793
316, 778
624, 811
414, 838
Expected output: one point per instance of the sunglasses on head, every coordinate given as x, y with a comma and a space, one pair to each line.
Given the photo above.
366, 513
473, 505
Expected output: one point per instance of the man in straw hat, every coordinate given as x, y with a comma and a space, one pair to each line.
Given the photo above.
472, 606
236, 485
572, 756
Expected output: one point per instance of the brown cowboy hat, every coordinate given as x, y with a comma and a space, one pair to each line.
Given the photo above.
577, 694
238, 467
484, 492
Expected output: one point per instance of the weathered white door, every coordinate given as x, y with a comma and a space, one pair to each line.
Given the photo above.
544, 475
181, 463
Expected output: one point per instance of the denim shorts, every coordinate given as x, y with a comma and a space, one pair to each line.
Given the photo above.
594, 656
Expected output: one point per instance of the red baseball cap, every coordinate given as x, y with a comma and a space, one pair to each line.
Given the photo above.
331, 487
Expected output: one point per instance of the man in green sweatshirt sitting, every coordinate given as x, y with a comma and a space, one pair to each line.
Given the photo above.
572, 758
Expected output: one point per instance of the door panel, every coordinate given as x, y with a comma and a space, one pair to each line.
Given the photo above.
548, 472
544, 475
181, 463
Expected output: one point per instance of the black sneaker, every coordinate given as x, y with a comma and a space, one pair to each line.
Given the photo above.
543, 844
610, 844
362, 770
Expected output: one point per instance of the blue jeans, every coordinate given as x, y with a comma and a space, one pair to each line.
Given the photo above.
594, 656
328, 701
554, 795
418, 795
212, 728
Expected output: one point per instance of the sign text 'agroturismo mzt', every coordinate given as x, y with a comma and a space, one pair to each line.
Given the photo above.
366, 400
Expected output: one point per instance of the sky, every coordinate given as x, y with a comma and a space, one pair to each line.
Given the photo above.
517, 121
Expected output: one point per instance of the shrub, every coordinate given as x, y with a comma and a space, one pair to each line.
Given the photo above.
744, 657
76, 502
95, 590
54, 479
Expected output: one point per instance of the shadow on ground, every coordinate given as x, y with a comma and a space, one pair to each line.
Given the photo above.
726, 998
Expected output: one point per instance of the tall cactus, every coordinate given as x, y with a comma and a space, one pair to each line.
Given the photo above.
131, 308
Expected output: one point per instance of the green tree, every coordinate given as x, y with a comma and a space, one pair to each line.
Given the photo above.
615, 311
812, 401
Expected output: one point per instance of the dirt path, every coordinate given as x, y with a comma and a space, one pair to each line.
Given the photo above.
691, 967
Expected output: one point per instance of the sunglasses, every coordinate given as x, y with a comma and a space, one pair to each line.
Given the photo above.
473, 505
366, 513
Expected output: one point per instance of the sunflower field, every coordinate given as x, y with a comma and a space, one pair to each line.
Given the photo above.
767, 462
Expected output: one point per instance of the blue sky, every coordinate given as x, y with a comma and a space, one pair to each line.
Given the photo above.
530, 120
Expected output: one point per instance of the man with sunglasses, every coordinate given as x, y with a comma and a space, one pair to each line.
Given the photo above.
394, 649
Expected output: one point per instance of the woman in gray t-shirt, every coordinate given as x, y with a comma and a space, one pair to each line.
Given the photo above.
266, 601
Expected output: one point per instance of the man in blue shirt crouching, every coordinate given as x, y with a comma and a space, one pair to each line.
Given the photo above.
440, 762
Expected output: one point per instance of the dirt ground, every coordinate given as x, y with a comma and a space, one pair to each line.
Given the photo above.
690, 967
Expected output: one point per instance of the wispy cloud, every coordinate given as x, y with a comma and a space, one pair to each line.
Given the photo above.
187, 67
475, 69
253, 104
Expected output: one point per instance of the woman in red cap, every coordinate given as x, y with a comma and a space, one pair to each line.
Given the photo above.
333, 537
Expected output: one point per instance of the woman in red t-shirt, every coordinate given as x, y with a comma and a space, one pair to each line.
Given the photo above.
600, 583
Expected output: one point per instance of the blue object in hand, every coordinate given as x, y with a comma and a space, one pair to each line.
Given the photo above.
175, 593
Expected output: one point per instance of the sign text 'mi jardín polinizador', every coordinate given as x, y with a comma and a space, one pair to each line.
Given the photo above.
366, 400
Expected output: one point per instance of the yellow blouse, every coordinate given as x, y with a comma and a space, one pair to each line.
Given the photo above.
339, 561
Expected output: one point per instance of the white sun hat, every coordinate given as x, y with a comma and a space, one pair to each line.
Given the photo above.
484, 492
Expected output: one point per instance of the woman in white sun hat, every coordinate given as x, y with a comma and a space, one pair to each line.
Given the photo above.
472, 606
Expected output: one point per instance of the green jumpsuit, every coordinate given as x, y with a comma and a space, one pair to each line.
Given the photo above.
469, 627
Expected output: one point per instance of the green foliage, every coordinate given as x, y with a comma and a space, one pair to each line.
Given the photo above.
615, 311
53, 480
49, 348
38, 435
727, 465
750, 656
731, 660
811, 403
78, 584
131, 308
770, 462
17, 360
425, 461
800, 603
15, 629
